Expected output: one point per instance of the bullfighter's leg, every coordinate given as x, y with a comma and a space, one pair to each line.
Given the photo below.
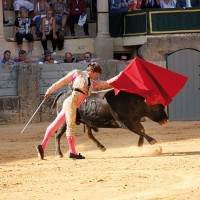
70, 106
49, 132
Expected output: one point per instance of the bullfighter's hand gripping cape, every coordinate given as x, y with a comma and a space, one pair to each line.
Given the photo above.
156, 84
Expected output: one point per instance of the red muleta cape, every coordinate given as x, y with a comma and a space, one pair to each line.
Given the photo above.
156, 84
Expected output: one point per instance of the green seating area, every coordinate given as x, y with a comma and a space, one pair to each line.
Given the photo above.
155, 21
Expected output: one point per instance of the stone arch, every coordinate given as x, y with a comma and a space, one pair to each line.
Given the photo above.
158, 47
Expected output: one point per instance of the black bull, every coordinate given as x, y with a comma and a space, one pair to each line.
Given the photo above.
106, 110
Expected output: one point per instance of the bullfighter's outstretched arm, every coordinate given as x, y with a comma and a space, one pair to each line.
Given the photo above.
66, 79
103, 84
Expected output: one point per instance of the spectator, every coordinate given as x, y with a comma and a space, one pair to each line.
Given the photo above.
187, 3
23, 29
167, 3
69, 58
17, 4
88, 58
6, 59
150, 4
48, 58
134, 5
77, 9
61, 12
119, 6
23, 57
48, 30
94, 9
124, 58
40, 9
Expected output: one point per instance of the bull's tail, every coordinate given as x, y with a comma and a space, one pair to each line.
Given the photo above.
53, 106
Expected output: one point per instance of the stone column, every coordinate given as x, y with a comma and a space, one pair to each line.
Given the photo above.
1, 22
103, 19
28, 91
103, 42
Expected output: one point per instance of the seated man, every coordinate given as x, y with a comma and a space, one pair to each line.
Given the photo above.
17, 4
23, 57
6, 59
88, 58
123, 58
69, 58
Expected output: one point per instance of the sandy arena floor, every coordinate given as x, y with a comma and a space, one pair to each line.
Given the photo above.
123, 172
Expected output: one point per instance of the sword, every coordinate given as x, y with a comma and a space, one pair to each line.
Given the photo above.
33, 115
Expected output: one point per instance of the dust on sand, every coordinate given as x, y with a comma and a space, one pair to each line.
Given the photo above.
168, 170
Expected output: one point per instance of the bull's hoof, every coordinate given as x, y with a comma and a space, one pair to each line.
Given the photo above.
153, 142
140, 142
140, 145
102, 149
59, 155
40, 152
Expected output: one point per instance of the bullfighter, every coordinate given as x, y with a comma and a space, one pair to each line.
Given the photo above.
81, 88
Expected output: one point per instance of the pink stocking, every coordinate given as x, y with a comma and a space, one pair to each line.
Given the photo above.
71, 142
53, 127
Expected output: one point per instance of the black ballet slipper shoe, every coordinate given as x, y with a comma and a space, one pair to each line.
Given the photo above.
79, 156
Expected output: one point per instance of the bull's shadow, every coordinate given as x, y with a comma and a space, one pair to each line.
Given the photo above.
104, 109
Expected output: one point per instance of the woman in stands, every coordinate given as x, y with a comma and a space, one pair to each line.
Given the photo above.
48, 58
23, 29
48, 30
40, 9
61, 12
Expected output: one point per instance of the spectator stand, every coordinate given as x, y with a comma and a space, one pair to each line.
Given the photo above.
10, 16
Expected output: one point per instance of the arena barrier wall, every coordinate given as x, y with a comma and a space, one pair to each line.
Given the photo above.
22, 87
